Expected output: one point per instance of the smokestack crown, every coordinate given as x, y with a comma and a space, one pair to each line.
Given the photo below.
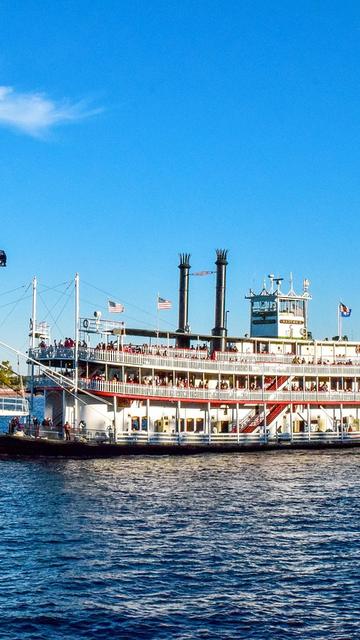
184, 260
221, 255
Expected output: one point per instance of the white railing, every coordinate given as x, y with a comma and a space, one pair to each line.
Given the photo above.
301, 397
252, 364
221, 438
181, 439
325, 436
13, 406
233, 438
224, 395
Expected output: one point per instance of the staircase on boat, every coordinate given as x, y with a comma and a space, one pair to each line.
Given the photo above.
255, 418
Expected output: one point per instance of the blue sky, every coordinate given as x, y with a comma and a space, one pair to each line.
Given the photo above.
132, 131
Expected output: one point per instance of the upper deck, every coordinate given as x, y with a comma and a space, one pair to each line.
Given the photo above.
250, 356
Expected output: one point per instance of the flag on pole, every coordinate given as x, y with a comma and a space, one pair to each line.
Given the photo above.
115, 307
345, 312
202, 273
163, 304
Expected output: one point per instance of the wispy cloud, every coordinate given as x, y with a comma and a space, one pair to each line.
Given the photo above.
36, 114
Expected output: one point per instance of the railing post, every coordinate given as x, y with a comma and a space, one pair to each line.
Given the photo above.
265, 424
148, 419
178, 421
209, 422
341, 423
237, 423
115, 419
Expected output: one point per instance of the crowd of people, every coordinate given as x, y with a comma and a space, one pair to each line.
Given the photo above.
244, 384
203, 352
68, 343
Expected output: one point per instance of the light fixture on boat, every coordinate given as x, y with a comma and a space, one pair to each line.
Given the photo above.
97, 316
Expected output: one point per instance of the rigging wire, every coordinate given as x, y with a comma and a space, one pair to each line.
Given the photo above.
59, 379
8, 304
15, 304
54, 376
4, 293
59, 314
62, 292
62, 309
54, 287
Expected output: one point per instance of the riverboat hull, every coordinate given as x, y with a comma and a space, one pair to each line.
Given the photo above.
34, 448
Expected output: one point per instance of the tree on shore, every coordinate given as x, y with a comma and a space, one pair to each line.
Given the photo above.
7, 377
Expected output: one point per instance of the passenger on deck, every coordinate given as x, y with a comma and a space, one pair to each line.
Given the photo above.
67, 431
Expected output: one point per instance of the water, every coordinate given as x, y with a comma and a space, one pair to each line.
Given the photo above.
228, 546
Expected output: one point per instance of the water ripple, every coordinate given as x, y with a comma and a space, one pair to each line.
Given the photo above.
232, 546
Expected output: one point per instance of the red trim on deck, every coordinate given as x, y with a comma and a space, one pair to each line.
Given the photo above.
225, 401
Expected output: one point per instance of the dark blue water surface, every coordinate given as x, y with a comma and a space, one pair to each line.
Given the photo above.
228, 546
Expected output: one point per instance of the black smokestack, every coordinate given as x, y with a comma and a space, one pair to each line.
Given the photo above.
220, 329
183, 341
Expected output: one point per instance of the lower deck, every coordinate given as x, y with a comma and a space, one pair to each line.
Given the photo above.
124, 419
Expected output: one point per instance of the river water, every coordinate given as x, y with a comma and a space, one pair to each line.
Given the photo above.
213, 546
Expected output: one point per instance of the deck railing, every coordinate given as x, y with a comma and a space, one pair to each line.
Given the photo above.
223, 395
252, 364
216, 394
188, 438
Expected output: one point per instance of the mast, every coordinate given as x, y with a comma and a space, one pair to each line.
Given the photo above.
32, 336
76, 351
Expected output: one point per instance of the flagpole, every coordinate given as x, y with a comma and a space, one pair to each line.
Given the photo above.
76, 353
157, 319
339, 322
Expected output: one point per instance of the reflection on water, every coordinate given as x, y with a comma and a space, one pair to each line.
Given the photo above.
228, 546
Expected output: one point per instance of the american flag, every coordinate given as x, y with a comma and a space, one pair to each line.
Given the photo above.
163, 304
345, 312
115, 307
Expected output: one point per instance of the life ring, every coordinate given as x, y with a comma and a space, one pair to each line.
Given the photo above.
85, 323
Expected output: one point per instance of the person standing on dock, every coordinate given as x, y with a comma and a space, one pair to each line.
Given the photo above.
82, 429
36, 425
67, 431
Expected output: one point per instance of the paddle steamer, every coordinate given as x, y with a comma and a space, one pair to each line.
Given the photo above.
129, 385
